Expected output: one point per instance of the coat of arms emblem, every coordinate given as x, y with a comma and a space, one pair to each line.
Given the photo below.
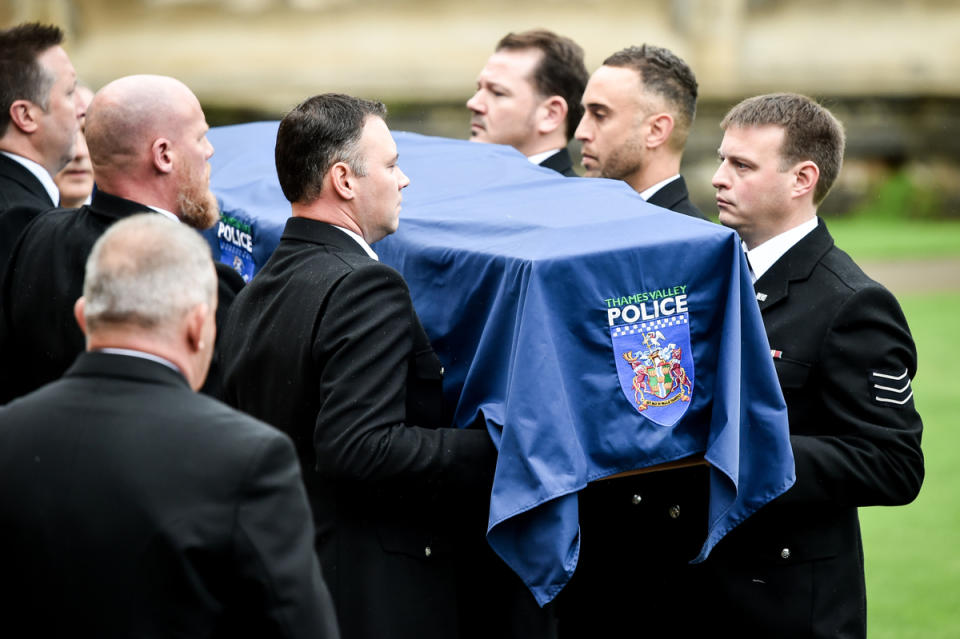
655, 366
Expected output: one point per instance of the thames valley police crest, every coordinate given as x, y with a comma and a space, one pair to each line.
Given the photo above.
235, 237
650, 334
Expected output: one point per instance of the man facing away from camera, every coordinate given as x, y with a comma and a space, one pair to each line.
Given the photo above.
131, 506
147, 140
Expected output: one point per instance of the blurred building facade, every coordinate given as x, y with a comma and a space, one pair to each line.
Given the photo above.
889, 68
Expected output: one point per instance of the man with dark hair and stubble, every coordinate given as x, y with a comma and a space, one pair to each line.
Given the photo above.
528, 96
638, 110
325, 344
130, 506
845, 360
146, 135
39, 120
638, 530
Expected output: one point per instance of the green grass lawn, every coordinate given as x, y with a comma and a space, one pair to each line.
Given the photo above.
913, 552
867, 238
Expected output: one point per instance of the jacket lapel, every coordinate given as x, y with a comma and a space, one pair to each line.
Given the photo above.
559, 162
99, 364
795, 265
670, 195
316, 232
16, 172
115, 207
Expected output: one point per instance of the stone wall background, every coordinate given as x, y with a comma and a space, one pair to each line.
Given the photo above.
890, 69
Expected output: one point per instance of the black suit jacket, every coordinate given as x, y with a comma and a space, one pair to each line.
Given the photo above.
325, 344
561, 163
132, 507
22, 197
845, 357
674, 196
39, 337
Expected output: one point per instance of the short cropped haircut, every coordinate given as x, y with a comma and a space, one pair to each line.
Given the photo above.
147, 271
315, 135
811, 132
22, 77
561, 70
665, 74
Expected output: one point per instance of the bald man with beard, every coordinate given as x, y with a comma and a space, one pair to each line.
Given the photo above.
148, 147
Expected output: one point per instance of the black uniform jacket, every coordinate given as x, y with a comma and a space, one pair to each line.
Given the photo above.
845, 359
561, 163
131, 506
324, 343
22, 197
674, 196
39, 337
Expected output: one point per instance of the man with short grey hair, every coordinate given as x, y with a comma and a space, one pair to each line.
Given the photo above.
131, 505
39, 120
147, 140
131, 286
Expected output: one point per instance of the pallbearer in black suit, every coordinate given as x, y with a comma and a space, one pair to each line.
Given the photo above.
39, 120
325, 344
147, 140
528, 96
845, 359
638, 531
131, 506
639, 107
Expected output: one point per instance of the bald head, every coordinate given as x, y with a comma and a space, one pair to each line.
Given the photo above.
127, 115
147, 137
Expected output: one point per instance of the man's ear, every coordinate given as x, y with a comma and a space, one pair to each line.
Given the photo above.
661, 126
23, 116
342, 179
161, 154
552, 114
196, 317
806, 175
78, 307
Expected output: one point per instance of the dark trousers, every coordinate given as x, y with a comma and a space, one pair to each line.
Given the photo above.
637, 536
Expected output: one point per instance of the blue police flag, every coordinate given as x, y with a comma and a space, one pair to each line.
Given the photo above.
592, 333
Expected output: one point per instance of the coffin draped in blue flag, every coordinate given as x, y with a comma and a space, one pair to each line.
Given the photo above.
592, 332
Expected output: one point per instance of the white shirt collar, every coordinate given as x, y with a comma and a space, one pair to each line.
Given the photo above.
363, 243
164, 212
648, 193
537, 158
40, 173
142, 355
765, 255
